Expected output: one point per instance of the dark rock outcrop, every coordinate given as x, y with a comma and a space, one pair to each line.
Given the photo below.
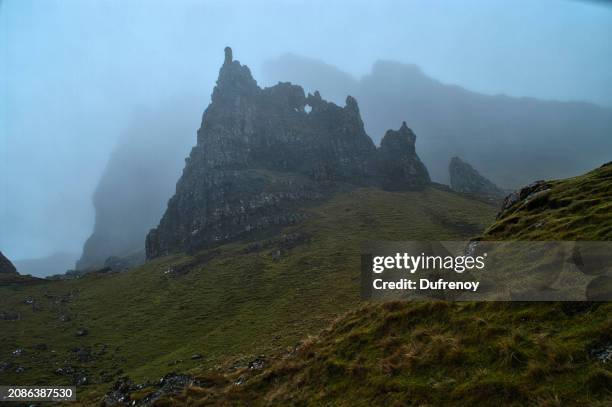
465, 179
262, 153
523, 195
6, 267
513, 140
398, 164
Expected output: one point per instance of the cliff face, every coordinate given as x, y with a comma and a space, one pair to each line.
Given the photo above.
464, 178
399, 165
6, 267
261, 153
139, 178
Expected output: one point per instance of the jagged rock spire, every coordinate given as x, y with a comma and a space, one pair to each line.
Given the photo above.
259, 156
234, 81
228, 56
402, 140
351, 104
398, 163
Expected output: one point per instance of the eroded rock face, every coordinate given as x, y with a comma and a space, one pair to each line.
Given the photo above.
6, 267
523, 195
399, 166
263, 153
465, 179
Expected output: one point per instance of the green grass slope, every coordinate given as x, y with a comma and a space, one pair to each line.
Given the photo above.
438, 354
577, 208
235, 301
399, 353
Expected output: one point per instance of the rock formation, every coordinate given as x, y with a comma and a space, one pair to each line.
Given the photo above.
399, 165
523, 195
263, 152
6, 267
465, 179
513, 140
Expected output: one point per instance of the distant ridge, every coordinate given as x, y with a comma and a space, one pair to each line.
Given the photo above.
512, 140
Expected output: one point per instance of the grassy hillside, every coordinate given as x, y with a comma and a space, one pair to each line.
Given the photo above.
439, 354
400, 353
227, 304
577, 208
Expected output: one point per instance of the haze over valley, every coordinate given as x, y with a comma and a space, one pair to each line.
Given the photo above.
444, 78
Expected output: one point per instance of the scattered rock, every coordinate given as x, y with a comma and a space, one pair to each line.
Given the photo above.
18, 352
120, 393
257, 363
603, 353
196, 356
80, 379
82, 332
9, 316
64, 371
169, 384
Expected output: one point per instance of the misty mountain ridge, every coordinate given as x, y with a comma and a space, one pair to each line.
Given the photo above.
139, 179
511, 140
465, 179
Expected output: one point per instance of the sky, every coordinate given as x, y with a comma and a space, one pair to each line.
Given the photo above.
73, 72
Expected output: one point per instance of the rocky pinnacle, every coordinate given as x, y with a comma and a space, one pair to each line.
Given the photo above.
262, 153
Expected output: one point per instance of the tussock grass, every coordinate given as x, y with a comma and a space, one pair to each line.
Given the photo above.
578, 208
441, 354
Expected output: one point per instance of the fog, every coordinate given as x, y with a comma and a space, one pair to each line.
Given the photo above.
75, 74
